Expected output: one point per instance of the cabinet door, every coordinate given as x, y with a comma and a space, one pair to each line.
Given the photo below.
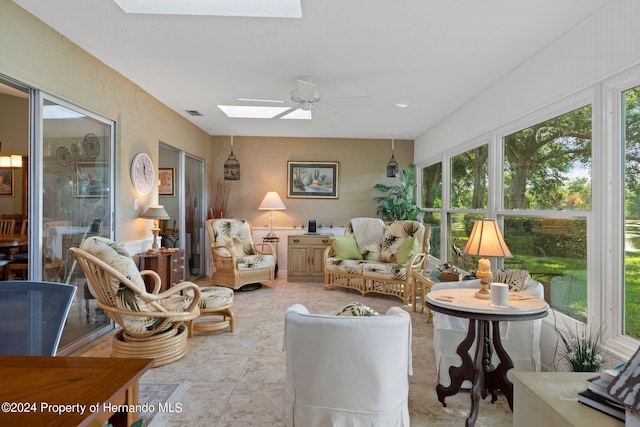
298, 260
317, 269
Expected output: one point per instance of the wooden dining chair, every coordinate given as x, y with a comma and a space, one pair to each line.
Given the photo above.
24, 228
7, 226
18, 217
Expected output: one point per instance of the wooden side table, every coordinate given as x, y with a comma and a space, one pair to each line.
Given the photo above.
422, 283
168, 264
484, 329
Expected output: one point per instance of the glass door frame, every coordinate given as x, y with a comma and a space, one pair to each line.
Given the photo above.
36, 182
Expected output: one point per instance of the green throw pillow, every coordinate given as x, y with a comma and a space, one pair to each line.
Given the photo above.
345, 247
407, 249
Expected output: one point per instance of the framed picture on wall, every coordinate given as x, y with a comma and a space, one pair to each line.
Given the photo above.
318, 180
6, 182
167, 181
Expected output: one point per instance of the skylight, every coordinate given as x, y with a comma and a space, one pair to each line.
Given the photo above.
246, 8
261, 112
298, 114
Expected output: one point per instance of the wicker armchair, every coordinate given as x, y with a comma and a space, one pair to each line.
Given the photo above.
236, 259
154, 325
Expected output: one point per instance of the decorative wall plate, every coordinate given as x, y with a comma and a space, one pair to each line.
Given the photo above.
63, 156
91, 145
57, 180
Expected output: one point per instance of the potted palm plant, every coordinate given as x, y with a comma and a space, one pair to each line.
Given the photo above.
397, 202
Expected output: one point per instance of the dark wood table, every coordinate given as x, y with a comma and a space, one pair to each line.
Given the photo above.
13, 240
484, 328
11, 243
69, 391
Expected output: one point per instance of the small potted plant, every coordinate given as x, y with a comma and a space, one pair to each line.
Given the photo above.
581, 348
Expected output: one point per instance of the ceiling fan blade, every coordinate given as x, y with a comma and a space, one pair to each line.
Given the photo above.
306, 88
284, 113
361, 100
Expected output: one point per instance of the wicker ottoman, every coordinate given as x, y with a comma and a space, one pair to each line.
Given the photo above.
215, 310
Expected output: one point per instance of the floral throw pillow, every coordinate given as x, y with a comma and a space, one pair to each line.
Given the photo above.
514, 278
357, 309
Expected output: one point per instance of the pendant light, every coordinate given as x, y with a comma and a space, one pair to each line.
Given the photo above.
392, 166
232, 166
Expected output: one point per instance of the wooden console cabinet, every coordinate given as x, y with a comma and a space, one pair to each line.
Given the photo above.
305, 257
169, 265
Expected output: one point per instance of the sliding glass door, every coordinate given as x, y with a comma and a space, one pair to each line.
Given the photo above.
76, 201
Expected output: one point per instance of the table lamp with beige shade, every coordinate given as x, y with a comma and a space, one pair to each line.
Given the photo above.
156, 213
271, 202
486, 241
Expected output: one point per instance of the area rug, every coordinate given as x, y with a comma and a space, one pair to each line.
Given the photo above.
159, 399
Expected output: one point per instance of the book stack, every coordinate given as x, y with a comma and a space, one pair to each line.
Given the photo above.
597, 396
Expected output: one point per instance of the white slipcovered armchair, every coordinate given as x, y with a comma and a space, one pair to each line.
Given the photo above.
521, 339
344, 371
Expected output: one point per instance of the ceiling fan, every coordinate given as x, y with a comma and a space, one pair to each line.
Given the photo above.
305, 97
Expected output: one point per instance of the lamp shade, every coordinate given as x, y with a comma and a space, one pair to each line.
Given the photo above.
486, 240
271, 201
155, 212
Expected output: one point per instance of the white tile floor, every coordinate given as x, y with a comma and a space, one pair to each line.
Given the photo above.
237, 379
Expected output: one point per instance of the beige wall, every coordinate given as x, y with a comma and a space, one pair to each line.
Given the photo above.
34, 54
263, 162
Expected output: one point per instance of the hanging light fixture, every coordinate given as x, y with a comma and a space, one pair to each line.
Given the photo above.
10, 160
392, 166
232, 166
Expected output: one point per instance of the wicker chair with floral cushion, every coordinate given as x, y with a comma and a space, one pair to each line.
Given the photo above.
236, 259
154, 325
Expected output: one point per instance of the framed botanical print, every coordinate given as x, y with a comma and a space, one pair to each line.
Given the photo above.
167, 181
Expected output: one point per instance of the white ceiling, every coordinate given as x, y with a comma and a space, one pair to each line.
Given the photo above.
433, 55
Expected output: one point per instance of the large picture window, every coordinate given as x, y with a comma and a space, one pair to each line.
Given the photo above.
431, 197
548, 166
547, 169
631, 140
469, 179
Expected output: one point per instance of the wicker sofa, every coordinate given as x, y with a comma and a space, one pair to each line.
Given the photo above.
383, 260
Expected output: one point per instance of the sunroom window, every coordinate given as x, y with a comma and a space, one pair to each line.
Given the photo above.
631, 139
547, 194
431, 204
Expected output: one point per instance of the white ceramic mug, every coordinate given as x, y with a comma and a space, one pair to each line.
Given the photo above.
499, 294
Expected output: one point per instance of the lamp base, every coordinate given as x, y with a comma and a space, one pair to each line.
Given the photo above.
484, 274
155, 247
271, 235
483, 295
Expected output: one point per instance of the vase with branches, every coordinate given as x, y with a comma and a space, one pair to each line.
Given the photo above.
221, 192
